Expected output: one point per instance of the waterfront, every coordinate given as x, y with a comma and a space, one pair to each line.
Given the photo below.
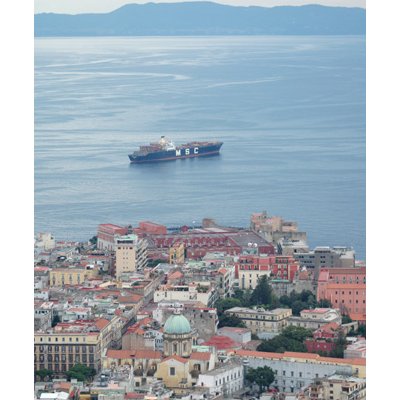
290, 111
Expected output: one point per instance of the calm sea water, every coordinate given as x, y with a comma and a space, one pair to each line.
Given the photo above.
290, 111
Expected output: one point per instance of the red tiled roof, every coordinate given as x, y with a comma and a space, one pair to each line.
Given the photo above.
134, 395
175, 275
102, 323
222, 343
201, 356
148, 354
134, 298
120, 354
177, 358
308, 356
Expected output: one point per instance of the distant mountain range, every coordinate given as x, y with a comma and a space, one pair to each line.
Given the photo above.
205, 18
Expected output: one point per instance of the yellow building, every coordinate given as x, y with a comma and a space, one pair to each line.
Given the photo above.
130, 254
261, 321
177, 253
71, 276
80, 342
59, 352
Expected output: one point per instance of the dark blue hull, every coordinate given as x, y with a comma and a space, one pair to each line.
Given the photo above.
178, 153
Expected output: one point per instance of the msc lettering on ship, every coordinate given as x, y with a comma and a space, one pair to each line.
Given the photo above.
187, 151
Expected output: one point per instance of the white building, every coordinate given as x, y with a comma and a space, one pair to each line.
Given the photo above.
316, 318
45, 241
223, 380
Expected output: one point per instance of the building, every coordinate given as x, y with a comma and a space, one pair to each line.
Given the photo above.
106, 234
224, 380
71, 276
323, 339
358, 349
240, 335
203, 320
274, 228
264, 323
251, 267
181, 367
144, 334
315, 318
294, 371
326, 257
46, 241
204, 293
67, 344
345, 288
130, 254
177, 336
177, 254
337, 387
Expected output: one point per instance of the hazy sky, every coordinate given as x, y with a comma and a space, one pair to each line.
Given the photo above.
84, 6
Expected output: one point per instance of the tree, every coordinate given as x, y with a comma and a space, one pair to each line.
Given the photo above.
81, 372
226, 304
230, 320
298, 306
297, 333
43, 373
93, 240
262, 294
262, 376
346, 319
324, 303
55, 321
280, 344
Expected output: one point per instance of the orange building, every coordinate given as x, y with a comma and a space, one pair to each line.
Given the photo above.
345, 288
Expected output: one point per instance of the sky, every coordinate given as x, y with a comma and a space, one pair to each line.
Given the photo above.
100, 6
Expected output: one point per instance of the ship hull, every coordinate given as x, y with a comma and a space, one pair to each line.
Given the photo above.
177, 154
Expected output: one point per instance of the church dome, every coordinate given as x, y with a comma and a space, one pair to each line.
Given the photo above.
177, 324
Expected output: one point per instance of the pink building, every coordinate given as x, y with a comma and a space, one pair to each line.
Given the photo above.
345, 288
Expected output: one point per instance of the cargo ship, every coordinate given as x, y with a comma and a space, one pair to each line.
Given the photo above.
165, 150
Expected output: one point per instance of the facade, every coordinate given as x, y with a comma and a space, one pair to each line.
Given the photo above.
130, 254
177, 253
45, 241
239, 335
357, 349
264, 323
251, 267
316, 318
71, 276
294, 371
224, 380
345, 288
326, 257
337, 387
206, 294
274, 228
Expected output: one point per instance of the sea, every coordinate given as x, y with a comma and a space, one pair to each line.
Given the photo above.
289, 109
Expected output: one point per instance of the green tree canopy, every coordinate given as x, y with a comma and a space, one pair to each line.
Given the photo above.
81, 372
230, 320
43, 373
226, 304
262, 376
297, 333
262, 294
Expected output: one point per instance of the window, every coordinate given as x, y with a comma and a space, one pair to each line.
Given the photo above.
172, 371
